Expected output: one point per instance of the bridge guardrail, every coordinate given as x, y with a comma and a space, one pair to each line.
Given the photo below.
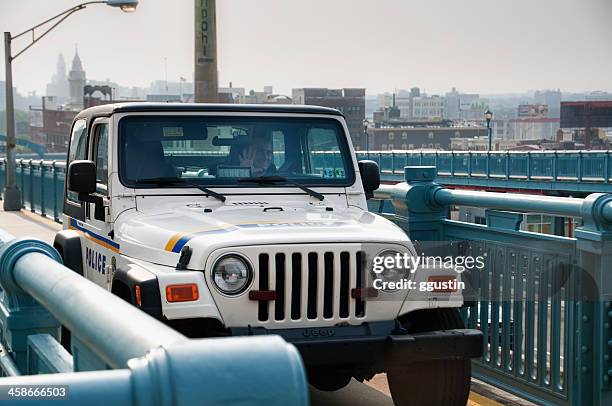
41, 183
543, 302
569, 170
151, 364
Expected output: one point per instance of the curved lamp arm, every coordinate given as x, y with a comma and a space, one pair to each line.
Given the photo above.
126, 5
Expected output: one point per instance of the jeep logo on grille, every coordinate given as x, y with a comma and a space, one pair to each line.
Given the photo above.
318, 332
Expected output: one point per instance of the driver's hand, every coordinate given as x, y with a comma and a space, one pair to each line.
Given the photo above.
247, 156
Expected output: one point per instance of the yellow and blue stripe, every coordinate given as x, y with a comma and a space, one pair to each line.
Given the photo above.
98, 239
178, 240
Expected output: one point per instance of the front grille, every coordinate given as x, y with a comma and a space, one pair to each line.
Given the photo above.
311, 286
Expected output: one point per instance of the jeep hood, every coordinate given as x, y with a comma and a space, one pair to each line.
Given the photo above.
159, 236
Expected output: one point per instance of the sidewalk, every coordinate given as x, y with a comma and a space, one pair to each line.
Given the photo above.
27, 224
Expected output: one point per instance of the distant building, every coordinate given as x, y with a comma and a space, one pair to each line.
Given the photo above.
254, 97
410, 138
50, 124
551, 98
163, 98
451, 109
598, 95
236, 93
427, 107
350, 101
532, 110
76, 80
59, 86
534, 128
182, 88
466, 106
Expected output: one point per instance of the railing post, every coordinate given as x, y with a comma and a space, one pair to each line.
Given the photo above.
415, 213
469, 165
54, 171
507, 168
20, 166
593, 308
42, 189
606, 169
529, 162
31, 184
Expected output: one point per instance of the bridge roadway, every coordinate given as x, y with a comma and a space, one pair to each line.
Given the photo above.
372, 393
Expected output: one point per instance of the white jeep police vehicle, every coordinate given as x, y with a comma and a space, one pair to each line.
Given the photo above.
244, 220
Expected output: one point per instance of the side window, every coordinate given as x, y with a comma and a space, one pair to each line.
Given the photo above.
100, 154
325, 156
78, 149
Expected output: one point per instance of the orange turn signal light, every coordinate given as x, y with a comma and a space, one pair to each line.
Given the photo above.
138, 298
182, 293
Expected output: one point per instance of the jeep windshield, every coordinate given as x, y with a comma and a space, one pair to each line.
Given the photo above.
225, 150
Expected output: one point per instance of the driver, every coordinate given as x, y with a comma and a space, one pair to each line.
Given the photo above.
258, 156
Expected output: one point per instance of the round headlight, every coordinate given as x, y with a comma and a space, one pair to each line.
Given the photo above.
388, 270
231, 274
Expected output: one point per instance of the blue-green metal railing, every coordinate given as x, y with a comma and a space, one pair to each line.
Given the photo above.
543, 302
585, 171
41, 183
128, 360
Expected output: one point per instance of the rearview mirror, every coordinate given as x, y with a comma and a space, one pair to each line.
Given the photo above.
370, 177
82, 177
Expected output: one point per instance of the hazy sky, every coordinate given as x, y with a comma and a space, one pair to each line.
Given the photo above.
486, 46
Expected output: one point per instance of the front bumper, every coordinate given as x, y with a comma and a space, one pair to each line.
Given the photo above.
377, 345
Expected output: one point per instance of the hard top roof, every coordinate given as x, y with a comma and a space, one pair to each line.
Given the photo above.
108, 109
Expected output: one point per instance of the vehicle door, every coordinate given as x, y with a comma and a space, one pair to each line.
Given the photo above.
99, 245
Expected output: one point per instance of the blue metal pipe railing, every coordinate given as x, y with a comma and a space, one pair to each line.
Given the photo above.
561, 206
61, 291
543, 302
552, 205
153, 364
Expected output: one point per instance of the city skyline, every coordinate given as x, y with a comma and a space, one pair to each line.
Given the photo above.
539, 53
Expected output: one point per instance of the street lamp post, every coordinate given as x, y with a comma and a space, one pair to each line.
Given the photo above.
366, 123
489, 117
12, 197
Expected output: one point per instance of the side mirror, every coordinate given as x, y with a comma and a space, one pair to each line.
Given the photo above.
82, 177
82, 180
370, 177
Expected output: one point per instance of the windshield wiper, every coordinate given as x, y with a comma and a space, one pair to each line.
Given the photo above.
271, 180
171, 181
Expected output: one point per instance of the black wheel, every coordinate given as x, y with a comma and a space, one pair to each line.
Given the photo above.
328, 380
432, 383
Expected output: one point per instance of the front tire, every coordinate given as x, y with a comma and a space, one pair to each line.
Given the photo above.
328, 380
445, 382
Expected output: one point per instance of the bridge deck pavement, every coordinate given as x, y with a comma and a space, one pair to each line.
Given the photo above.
372, 393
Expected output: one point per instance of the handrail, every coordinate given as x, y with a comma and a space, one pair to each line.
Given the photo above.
152, 363
562, 206
551, 205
